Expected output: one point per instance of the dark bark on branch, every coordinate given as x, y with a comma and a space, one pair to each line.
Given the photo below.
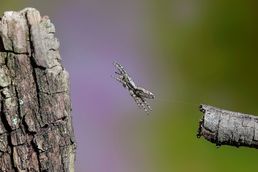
224, 127
36, 131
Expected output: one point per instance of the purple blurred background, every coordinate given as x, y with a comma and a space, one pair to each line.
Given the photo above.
92, 36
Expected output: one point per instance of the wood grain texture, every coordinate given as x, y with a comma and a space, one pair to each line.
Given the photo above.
36, 132
224, 127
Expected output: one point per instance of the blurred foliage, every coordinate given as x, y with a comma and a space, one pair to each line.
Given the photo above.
10, 5
214, 46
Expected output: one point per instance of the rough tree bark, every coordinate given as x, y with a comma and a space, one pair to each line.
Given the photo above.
224, 127
36, 132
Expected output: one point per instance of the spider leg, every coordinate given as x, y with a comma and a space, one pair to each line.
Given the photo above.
119, 73
119, 79
146, 104
136, 99
119, 67
141, 103
144, 107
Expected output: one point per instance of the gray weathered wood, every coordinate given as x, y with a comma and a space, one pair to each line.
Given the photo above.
36, 131
224, 127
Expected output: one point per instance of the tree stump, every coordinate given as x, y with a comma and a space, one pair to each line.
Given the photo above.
36, 132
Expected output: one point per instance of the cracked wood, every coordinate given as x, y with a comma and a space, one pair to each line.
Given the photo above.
224, 127
36, 132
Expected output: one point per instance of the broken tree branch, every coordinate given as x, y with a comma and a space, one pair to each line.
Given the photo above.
36, 131
224, 127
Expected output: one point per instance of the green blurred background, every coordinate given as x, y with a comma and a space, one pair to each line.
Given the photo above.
193, 51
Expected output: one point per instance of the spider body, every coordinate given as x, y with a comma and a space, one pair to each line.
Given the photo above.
139, 94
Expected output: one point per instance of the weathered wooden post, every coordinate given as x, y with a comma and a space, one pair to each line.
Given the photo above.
36, 132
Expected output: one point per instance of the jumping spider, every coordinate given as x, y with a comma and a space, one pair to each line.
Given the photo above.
139, 94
